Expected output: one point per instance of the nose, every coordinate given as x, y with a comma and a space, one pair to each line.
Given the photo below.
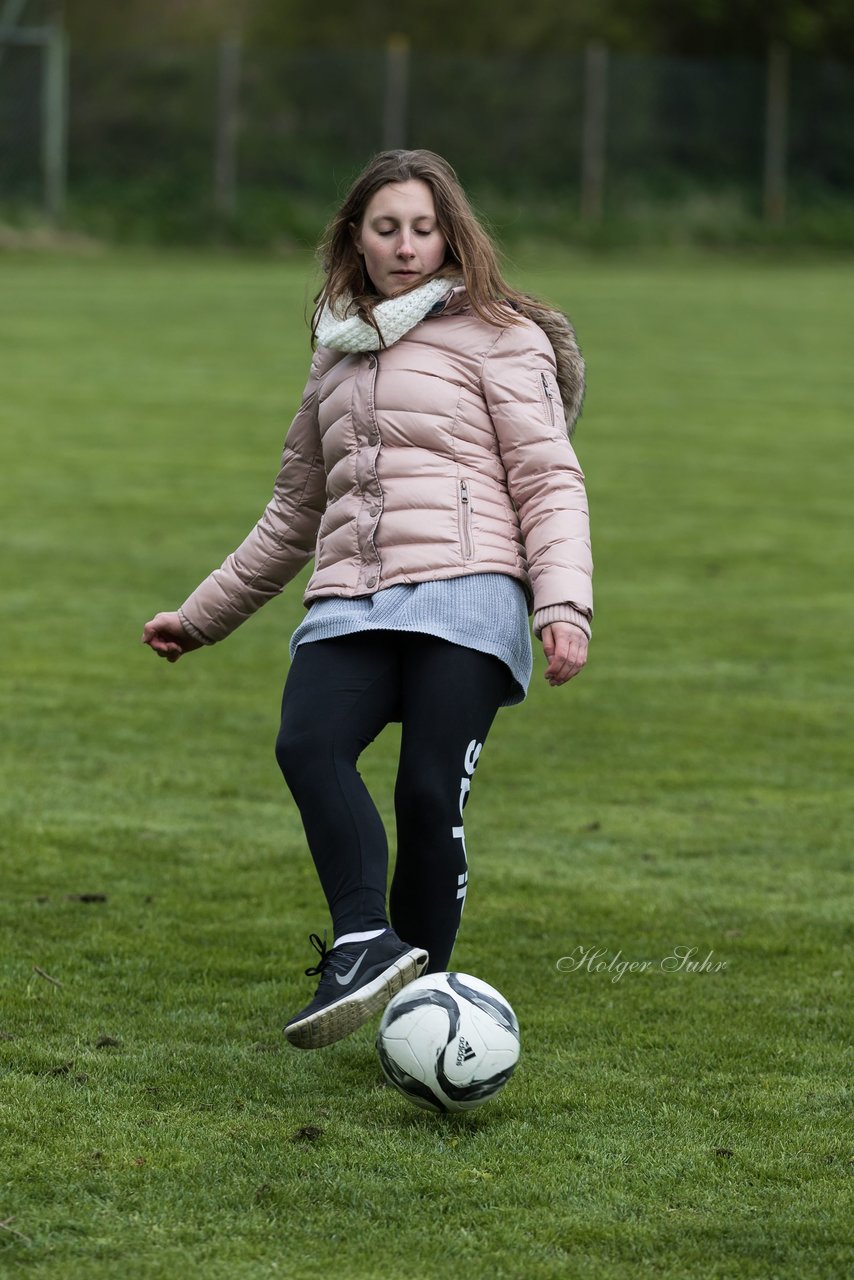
405, 249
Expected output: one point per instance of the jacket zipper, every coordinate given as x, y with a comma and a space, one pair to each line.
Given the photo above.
468, 548
550, 400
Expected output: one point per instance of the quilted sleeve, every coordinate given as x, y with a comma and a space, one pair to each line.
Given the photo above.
544, 478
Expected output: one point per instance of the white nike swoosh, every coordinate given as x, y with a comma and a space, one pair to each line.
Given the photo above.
348, 977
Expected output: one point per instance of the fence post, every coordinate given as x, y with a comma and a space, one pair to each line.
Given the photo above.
9, 16
55, 115
227, 126
776, 129
593, 130
396, 92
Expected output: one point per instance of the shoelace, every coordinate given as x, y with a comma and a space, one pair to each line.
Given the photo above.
332, 959
319, 945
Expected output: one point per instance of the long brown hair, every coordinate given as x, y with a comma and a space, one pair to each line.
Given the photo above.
470, 253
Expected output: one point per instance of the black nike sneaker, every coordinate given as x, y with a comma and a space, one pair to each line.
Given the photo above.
357, 980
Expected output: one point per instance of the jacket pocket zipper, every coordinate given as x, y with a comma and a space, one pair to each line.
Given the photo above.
549, 395
465, 503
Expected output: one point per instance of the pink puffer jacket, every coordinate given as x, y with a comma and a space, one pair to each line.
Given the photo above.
443, 454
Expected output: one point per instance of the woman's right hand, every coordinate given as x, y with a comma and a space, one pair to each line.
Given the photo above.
165, 635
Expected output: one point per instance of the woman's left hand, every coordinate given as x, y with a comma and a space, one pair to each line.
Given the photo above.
565, 647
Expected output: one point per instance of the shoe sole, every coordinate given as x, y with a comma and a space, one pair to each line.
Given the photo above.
352, 1011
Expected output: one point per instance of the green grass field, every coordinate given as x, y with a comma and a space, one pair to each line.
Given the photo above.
690, 789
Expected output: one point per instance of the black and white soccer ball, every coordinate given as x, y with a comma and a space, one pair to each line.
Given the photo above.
448, 1042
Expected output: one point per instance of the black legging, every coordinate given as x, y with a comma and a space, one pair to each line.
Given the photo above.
339, 694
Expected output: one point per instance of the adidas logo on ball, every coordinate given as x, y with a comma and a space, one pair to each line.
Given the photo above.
464, 1051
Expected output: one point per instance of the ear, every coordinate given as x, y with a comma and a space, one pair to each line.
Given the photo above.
357, 238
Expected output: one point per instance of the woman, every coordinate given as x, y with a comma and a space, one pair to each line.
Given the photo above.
429, 472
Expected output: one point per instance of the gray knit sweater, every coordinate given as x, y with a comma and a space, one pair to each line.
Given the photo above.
483, 611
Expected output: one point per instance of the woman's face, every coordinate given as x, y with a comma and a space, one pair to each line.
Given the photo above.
399, 237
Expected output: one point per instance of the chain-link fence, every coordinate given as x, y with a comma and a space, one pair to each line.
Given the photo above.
183, 142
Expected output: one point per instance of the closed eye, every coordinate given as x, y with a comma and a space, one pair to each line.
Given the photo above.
390, 231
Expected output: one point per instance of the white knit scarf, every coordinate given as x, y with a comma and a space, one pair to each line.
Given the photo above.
394, 317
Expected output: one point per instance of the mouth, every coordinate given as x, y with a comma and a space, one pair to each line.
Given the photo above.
405, 275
